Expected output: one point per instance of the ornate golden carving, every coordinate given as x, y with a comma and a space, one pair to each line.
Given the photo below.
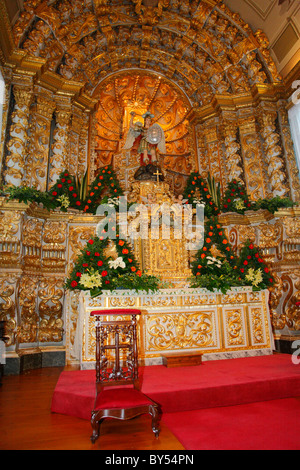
51, 323
8, 305
273, 151
16, 146
180, 331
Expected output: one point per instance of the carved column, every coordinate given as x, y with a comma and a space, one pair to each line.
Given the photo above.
74, 140
15, 161
255, 170
7, 77
60, 147
38, 152
214, 155
273, 153
233, 160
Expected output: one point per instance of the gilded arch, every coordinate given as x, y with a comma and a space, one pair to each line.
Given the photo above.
237, 125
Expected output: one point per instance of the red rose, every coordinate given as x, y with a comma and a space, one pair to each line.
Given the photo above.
78, 274
248, 257
63, 180
85, 265
54, 193
245, 262
88, 253
74, 195
251, 246
100, 263
91, 242
242, 270
266, 270
104, 273
107, 282
71, 188
97, 254
74, 283
78, 203
59, 185
69, 181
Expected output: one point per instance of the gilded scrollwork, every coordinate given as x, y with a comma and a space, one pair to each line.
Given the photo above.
50, 310
180, 331
8, 285
16, 146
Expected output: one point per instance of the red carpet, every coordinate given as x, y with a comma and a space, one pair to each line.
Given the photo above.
268, 425
213, 384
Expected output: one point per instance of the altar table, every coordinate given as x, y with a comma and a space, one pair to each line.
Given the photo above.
216, 325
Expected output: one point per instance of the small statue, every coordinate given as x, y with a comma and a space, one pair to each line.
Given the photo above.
146, 139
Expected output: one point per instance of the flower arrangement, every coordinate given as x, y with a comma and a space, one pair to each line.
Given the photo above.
106, 178
236, 198
216, 266
252, 268
94, 271
65, 192
197, 189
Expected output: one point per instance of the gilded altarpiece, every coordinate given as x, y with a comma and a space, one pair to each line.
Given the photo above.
73, 72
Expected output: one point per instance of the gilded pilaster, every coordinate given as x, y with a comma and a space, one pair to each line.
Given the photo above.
17, 144
60, 146
233, 160
273, 153
38, 152
77, 123
214, 154
255, 175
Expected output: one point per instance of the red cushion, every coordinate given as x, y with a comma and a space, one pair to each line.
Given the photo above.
116, 311
120, 398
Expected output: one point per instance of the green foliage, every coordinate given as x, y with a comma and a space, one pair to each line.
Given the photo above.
28, 195
81, 186
214, 190
272, 205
